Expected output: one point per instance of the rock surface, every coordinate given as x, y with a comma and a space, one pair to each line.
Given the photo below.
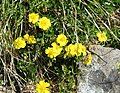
102, 76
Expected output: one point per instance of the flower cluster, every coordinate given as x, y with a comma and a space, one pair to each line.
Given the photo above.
75, 50
71, 50
102, 36
43, 23
20, 42
43, 87
56, 48
29, 39
53, 51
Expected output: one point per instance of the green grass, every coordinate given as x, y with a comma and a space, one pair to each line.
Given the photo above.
79, 20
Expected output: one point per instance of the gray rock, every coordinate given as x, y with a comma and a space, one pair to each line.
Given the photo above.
102, 76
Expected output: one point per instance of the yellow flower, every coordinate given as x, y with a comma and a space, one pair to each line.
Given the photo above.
55, 46
19, 43
50, 52
67, 49
33, 18
43, 87
75, 50
88, 59
62, 40
71, 50
102, 36
26, 36
44, 23
57, 49
30, 39
53, 51
79, 49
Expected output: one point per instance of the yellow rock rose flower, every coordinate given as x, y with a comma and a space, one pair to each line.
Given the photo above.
19, 43
75, 50
57, 49
55, 46
78, 47
62, 40
43, 87
44, 23
53, 51
67, 49
50, 52
30, 39
88, 59
71, 50
33, 18
26, 36
102, 36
